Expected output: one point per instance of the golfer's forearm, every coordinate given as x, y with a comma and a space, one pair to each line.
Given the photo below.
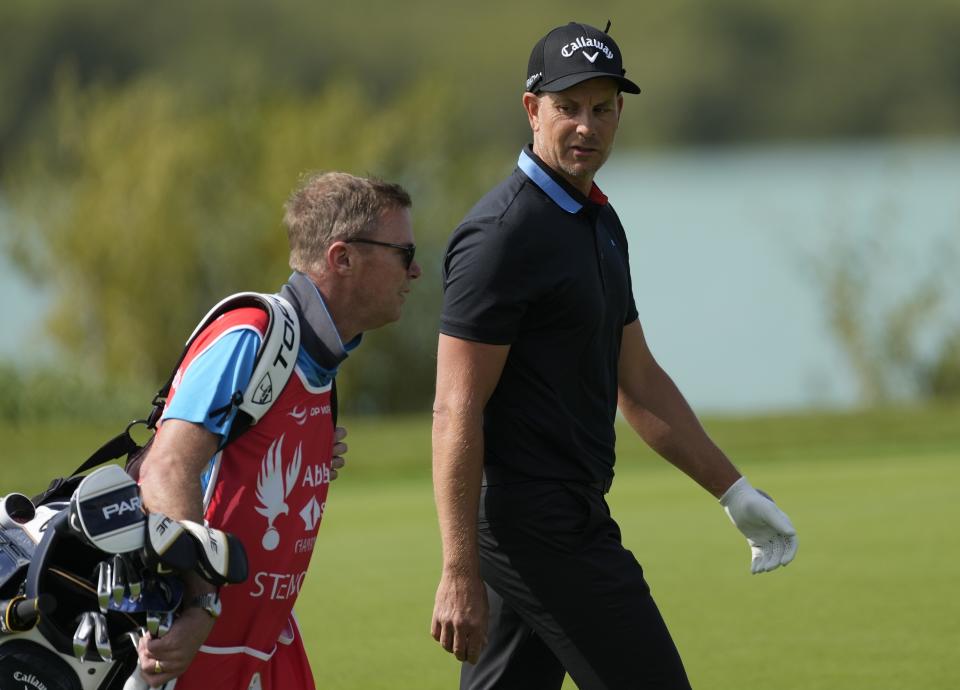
665, 421
457, 476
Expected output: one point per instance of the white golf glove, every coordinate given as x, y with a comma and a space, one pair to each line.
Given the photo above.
772, 538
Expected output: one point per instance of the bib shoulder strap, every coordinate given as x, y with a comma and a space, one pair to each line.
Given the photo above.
275, 360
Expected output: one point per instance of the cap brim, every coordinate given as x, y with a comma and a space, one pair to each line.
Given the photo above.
569, 80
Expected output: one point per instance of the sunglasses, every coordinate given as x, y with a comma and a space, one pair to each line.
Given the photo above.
408, 249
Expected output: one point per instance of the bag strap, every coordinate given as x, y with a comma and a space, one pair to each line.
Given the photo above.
274, 363
276, 358
118, 446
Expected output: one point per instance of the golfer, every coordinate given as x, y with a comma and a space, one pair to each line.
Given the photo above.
539, 345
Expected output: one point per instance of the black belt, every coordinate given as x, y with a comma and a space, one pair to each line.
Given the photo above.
494, 475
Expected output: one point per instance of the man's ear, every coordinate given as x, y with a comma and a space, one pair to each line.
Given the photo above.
619, 106
531, 103
339, 259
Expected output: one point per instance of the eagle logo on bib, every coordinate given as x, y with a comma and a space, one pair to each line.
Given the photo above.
273, 487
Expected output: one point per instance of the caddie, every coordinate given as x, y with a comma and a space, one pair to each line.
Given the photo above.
352, 253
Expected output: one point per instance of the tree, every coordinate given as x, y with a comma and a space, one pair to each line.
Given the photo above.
144, 208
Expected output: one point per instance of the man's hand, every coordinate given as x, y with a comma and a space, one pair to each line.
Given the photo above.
339, 448
460, 616
175, 650
772, 538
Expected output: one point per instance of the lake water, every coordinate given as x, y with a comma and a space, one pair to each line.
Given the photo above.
720, 245
718, 240
24, 303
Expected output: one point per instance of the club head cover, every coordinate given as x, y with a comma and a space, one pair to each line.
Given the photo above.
221, 558
168, 545
105, 511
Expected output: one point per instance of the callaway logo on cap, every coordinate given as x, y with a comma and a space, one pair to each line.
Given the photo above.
574, 53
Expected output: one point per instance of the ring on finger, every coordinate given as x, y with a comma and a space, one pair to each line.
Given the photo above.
157, 667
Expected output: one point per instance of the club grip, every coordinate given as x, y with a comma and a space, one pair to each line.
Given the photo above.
21, 614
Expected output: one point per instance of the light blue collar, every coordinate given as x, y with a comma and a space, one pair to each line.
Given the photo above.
540, 178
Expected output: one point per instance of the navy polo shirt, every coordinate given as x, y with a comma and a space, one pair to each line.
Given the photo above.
538, 266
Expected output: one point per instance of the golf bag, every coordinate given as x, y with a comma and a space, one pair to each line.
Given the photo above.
81, 579
84, 571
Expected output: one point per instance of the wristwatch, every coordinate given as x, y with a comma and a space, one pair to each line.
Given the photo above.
209, 602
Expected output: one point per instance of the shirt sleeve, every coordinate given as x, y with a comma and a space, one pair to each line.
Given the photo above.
212, 378
487, 286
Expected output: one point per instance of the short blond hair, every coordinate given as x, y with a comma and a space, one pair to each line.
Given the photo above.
334, 206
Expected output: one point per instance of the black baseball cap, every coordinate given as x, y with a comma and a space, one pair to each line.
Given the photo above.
574, 53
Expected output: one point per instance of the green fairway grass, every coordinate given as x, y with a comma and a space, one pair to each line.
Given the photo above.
869, 603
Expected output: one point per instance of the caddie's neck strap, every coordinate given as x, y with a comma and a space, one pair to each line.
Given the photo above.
318, 333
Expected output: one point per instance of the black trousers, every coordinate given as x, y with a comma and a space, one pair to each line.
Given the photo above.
565, 596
